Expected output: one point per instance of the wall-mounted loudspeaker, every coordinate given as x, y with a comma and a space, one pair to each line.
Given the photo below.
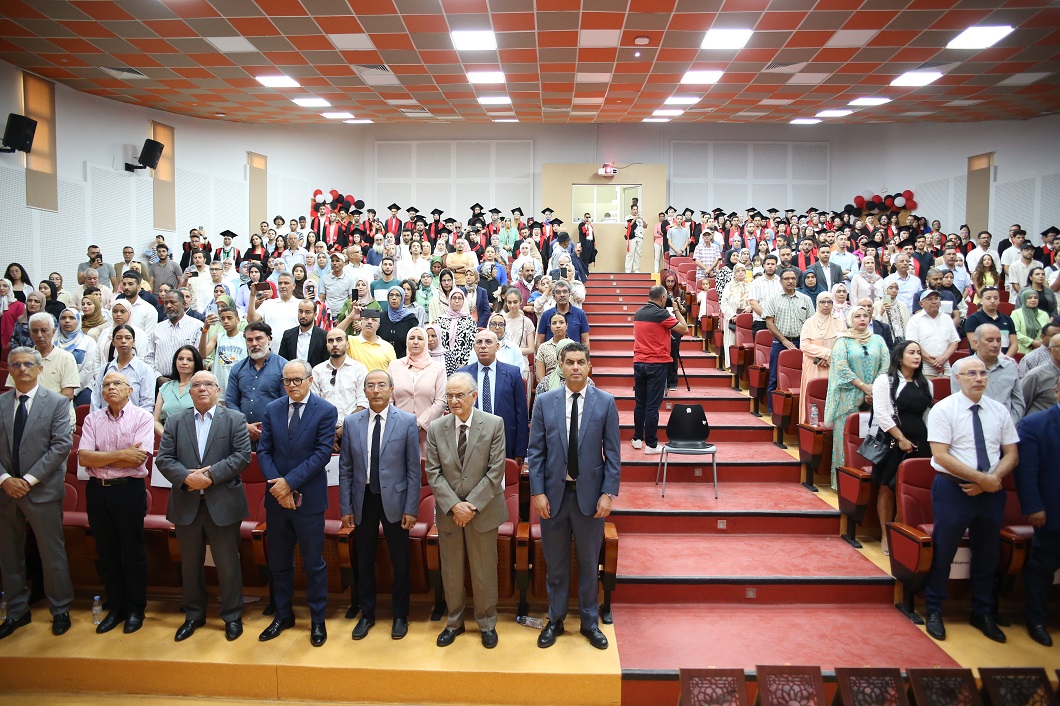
149, 156
18, 135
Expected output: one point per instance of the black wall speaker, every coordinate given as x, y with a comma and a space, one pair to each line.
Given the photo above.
18, 135
151, 153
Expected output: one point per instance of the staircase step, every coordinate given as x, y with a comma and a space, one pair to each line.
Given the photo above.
754, 462
618, 376
741, 508
617, 340
730, 426
693, 361
713, 399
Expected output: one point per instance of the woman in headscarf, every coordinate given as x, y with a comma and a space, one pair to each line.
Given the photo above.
440, 296
256, 274
811, 287
723, 274
397, 321
425, 293
52, 305
816, 340
841, 304
733, 301
488, 281
858, 358
892, 312
492, 256
35, 303
434, 343
457, 331
321, 266
300, 274
1046, 296
10, 311
71, 338
1029, 320
419, 382
93, 318
526, 249
220, 292
867, 283
121, 313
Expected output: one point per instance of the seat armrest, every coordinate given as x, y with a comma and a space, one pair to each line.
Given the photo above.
344, 537
1016, 547
434, 561
258, 537
610, 547
522, 547
911, 550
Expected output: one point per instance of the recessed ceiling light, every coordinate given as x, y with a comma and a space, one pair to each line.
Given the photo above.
682, 100
916, 78
506, 120
1024, 79
231, 45
808, 78
280, 81
962, 103
311, 102
361, 121
641, 41
916, 113
726, 38
591, 77
636, 54
667, 113
850, 38
776, 101
979, 37
473, 40
351, 42
870, 100
805, 121
338, 116
587, 101
485, 76
834, 113
494, 100
701, 77
655, 120
403, 101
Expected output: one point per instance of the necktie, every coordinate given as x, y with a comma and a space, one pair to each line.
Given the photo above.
982, 459
572, 438
487, 396
373, 472
295, 420
16, 437
461, 447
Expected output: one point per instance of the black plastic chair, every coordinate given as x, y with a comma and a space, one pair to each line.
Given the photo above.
686, 433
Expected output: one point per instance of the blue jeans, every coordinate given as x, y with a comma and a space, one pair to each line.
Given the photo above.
649, 386
774, 355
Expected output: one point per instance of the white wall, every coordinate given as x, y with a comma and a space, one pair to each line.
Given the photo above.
100, 202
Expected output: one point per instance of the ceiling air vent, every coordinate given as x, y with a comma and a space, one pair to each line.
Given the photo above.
781, 67
371, 69
124, 73
936, 66
416, 112
375, 74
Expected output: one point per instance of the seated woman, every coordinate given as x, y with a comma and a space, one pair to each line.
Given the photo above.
72, 339
816, 340
1029, 321
175, 394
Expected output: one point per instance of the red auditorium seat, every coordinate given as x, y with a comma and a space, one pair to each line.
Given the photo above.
957, 355
758, 371
854, 486
786, 396
944, 686
1001, 683
81, 411
815, 442
859, 684
940, 388
741, 354
1006, 308
710, 324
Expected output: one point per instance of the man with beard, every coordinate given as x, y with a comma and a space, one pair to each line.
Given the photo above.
256, 380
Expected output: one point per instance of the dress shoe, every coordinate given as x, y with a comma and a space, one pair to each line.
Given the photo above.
596, 638
187, 629
549, 633
361, 630
110, 622
446, 637
318, 634
11, 624
935, 628
133, 622
988, 626
400, 628
275, 628
489, 639
1040, 635
233, 630
60, 624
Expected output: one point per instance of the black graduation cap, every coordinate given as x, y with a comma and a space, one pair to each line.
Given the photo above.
228, 234
444, 231
358, 231
449, 221
703, 214
344, 207
1051, 230
356, 212
547, 210
420, 219
495, 211
759, 215
771, 211
557, 222
734, 214
671, 208
789, 211
718, 209
689, 211
750, 210
476, 206
812, 210
437, 212
907, 242
476, 220
517, 211
412, 209
394, 207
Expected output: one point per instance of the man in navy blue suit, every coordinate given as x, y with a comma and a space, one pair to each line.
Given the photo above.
574, 461
297, 434
501, 391
1038, 484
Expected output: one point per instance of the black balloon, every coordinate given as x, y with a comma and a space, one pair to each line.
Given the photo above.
358, 204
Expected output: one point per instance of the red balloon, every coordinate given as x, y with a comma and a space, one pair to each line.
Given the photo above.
910, 205
889, 201
875, 198
859, 201
907, 194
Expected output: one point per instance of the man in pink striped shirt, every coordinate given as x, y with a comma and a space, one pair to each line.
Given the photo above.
115, 444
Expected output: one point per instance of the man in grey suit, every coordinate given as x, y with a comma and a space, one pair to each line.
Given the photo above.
465, 468
35, 441
574, 459
379, 481
203, 451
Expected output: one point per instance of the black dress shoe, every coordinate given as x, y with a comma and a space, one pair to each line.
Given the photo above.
10, 625
361, 630
318, 634
187, 629
549, 633
133, 622
446, 637
275, 628
596, 638
400, 629
1040, 635
489, 639
935, 628
988, 626
233, 629
111, 621
60, 624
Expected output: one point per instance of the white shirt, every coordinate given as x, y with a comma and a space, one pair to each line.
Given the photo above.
302, 347
372, 416
971, 260
882, 410
143, 315
933, 335
342, 386
203, 422
568, 399
29, 405
167, 338
950, 422
280, 315
908, 288
762, 290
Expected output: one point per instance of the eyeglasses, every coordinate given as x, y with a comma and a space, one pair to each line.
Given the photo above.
114, 383
202, 385
376, 385
456, 396
334, 374
293, 382
25, 366
976, 374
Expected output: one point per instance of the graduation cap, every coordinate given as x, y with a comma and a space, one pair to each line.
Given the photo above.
812, 210
394, 207
689, 211
356, 212
750, 210
344, 207
449, 221
517, 211
444, 231
759, 215
771, 211
420, 219
437, 212
495, 211
228, 234
557, 222
547, 211
476, 220
704, 214
734, 214
1051, 230
412, 209
476, 206
358, 231
718, 209
789, 211
908, 242
671, 208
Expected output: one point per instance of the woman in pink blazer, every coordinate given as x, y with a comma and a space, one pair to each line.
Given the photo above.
419, 383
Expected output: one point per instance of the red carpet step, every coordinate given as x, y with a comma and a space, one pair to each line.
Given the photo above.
714, 399
758, 462
732, 426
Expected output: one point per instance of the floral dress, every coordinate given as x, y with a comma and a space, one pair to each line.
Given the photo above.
850, 360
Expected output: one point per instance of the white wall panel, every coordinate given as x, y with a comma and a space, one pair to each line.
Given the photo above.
933, 201
393, 160
471, 158
1049, 201
65, 249
143, 204
770, 160
730, 160
194, 202
810, 162
958, 203
434, 194
729, 195
434, 160
110, 208
1013, 202
685, 192
691, 161
231, 201
765, 195
514, 159
17, 221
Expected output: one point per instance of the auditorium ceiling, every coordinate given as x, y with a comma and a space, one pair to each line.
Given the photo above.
549, 61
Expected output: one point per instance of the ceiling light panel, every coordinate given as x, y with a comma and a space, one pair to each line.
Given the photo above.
683, 100
599, 37
701, 77
916, 78
338, 116
869, 100
808, 78
232, 45
726, 38
474, 40
361, 121
590, 77
494, 100
667, 113
850, 38
351, 42
979, 37
834, 113
279, 81
805, 121
655, 120
311, 102
485, 76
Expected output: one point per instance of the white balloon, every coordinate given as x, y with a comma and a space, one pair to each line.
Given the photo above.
868, 194
320, 198
899, 201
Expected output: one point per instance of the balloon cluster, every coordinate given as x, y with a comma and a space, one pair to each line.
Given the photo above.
872, 202
336, 201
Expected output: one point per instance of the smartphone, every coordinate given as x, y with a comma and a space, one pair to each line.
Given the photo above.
193, 273
886, 298
262, 287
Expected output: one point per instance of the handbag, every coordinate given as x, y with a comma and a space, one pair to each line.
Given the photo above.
732, 324
877, 443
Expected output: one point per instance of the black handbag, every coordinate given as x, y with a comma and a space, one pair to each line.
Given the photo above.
877, 443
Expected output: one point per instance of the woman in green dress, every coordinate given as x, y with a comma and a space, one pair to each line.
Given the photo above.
175, 395
858, 358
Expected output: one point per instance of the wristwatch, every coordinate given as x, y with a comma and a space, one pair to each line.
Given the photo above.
611, 495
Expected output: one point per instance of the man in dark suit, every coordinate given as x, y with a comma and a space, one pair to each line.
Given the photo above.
501, 391
294, 450
379, 480
35, 440
1038, 484
465, 468
574, 460
202, 453
305, 341
828, 273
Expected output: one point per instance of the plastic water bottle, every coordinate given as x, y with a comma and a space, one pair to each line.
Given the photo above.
3, 607
97, 611
814, 417
536, 623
